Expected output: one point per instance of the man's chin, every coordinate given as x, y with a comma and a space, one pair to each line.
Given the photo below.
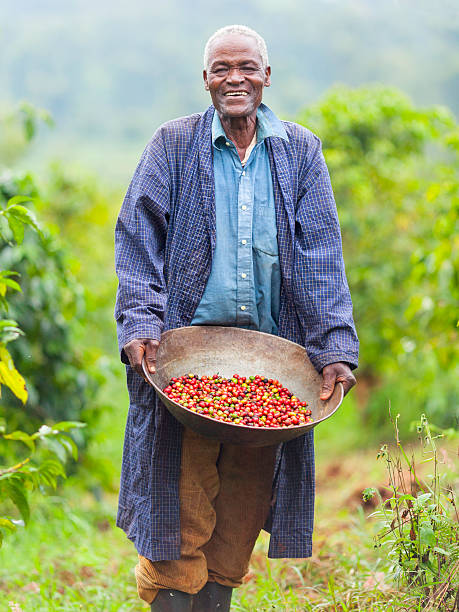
234, 111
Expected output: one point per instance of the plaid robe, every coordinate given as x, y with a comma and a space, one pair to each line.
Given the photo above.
165, 237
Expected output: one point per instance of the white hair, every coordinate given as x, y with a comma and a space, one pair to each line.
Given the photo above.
237, 29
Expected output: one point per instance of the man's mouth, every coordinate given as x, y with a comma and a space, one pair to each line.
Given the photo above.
235, 93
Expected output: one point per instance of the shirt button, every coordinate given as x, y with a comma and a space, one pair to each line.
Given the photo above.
243, 173
227, 144
244, 275
244, 207
244, 241
243, 307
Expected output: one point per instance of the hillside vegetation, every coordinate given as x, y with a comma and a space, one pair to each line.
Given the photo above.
111, 72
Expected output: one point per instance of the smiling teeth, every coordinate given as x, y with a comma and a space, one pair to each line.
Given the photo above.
236, 93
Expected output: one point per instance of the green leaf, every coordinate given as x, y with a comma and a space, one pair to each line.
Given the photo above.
7, 334
23, 214
368, 493
7, 323
57, 449
10, 377
441, 551
66, 425
9, 330
406, 497
16, 492
421, 499
19, 199
21, 436
7, 524
49, 470
17, 228
426, 536
29, 128
8, 273
69, 446
9, 282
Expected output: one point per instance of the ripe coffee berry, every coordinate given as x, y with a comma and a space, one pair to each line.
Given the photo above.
255, 401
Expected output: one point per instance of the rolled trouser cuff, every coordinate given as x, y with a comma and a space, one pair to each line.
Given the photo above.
153, 576
224, 581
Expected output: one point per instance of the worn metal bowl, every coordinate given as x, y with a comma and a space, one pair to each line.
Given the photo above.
208, 350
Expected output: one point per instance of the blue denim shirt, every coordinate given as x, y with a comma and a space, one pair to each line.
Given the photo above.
243, 289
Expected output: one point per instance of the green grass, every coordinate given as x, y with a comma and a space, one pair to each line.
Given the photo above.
71, 557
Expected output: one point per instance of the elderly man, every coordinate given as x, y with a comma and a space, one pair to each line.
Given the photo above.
229, 220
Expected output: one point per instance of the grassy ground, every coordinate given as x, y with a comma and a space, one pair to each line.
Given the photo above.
71, 557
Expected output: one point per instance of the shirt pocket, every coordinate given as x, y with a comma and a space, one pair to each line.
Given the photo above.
264, 231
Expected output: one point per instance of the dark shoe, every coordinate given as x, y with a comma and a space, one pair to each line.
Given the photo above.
168, 600
213, 597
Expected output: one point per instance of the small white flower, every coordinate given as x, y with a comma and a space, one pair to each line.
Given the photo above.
45, 430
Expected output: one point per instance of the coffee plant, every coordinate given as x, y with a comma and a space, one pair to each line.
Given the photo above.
40, 461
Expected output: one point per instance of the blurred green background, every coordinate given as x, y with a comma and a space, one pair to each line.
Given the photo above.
111, 72
377, 81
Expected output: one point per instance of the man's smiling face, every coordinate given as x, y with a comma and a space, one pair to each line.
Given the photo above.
235, 77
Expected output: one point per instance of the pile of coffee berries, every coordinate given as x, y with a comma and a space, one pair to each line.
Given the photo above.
254, 400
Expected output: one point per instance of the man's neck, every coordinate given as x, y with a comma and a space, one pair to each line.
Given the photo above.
240, 130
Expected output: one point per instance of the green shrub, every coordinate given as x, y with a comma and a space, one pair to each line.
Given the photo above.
394, 170
51, 309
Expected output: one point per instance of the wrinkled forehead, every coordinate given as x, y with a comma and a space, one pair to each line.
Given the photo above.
230, 48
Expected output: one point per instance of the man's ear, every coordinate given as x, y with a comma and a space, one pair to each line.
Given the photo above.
204, 76
268, 76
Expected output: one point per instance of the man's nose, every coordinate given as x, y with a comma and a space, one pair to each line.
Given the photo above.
234, 76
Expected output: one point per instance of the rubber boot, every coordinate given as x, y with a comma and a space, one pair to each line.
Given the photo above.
213, 597
168, 600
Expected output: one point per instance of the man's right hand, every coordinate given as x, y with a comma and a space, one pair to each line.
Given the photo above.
136, 349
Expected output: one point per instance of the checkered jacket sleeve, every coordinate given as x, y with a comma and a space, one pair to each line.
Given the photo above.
140, 238
321, 291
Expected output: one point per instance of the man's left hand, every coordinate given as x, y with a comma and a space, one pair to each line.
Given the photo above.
334, 373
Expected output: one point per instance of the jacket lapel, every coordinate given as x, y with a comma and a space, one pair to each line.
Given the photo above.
206, 173
283, 184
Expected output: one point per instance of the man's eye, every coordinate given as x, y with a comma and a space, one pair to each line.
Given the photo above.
220, 71
248, 69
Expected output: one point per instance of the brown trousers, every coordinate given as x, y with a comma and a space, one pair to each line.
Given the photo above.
225, 494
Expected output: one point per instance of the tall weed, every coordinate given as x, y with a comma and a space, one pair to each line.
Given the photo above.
420, 520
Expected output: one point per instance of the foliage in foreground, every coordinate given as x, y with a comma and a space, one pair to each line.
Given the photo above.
420, 522
73, 558
40, 469
59, 377
37, 469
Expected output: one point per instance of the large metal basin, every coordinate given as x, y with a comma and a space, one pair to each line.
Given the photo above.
207, 350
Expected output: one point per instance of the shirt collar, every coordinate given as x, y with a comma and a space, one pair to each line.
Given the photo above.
268, 126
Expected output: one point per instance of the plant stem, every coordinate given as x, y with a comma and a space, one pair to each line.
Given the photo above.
15, 468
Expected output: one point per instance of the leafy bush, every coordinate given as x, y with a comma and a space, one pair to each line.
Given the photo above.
32, 471
394, 170
60, 377
68, 347
38, 470
76, 199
